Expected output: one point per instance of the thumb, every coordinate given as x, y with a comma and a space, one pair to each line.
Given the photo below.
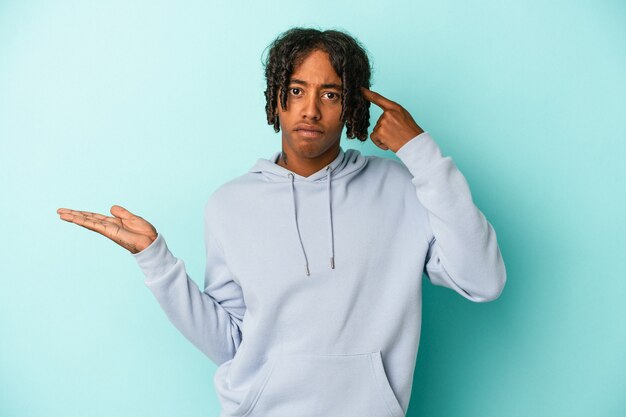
121, 212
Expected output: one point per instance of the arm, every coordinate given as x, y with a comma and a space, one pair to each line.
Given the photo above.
463, 253
210, 319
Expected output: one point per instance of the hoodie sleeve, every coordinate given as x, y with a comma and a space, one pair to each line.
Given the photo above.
210, 319
463, 254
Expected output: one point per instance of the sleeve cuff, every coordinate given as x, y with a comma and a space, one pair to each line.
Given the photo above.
419, 152
156, 259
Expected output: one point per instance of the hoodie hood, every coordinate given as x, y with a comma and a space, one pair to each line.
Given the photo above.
346, 163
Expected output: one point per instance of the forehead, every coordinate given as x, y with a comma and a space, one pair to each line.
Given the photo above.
316, 69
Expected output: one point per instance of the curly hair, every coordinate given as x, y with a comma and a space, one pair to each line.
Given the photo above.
348, 58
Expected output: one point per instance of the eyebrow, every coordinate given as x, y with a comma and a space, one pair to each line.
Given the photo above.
329, 85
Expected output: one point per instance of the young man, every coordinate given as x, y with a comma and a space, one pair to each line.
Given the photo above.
312, 299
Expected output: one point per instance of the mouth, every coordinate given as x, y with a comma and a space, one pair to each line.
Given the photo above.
309, 133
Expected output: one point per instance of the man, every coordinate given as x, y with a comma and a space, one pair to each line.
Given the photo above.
312, 299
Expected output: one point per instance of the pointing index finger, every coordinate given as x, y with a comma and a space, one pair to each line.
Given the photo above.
378, 99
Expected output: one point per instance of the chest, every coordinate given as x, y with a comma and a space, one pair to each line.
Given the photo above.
270, 237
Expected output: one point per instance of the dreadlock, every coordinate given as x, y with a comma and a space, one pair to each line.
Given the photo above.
348, 58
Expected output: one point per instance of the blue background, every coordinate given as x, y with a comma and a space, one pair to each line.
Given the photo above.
153, 104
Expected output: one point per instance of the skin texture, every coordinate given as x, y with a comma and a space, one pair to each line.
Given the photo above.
313, 105
349, 59
395, 126
125, 228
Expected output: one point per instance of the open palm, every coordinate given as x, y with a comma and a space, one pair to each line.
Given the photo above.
126, 229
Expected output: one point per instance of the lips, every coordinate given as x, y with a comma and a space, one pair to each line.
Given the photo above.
313, 134
308, 128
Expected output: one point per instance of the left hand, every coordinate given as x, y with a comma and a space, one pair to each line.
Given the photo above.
395, 127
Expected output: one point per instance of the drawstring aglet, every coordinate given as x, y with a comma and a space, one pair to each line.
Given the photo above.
306, 268
332, 262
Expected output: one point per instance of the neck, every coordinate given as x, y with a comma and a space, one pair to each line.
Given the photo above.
307, 166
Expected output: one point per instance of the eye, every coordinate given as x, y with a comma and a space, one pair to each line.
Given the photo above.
333, 96
294, 88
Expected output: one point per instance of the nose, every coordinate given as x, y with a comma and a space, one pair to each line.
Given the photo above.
311, 108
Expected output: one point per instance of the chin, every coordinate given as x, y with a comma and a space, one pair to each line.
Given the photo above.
310, 151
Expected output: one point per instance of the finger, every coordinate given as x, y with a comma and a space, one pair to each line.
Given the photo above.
374, 137
379, 143
121, 212
101, 226
107, 228
80, 218
66, 210
376, 98
91, 215
85, 218
83, 213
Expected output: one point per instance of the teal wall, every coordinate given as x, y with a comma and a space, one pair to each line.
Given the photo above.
153, 104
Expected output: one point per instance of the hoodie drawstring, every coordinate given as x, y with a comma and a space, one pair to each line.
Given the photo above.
295, 217
330, 221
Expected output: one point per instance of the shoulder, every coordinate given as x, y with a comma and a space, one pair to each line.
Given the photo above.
388, 165
230, 192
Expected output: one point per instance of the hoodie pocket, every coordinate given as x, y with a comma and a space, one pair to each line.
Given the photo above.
308, 385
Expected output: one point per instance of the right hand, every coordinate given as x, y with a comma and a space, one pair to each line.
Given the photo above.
126, 229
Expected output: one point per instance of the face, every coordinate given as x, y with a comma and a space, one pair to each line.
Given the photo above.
313, 102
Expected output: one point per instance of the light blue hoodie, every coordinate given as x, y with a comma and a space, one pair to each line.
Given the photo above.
313, 285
